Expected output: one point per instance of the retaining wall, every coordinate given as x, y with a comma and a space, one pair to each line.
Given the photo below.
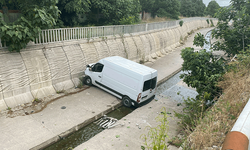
42, 70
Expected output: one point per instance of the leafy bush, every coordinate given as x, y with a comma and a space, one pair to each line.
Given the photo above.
209, 128
162, 13
203, 71
193, 110
181, 23
207, 21
244, 59
129, 20
199, 40
156, 138
27, 28
233, 28
212, 23
18, 35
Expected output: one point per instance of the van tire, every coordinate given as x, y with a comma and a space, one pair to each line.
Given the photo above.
88, 81
126, 101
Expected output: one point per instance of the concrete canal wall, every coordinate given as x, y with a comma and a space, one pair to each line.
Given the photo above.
42, 70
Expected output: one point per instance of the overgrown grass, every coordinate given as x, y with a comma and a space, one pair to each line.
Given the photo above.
60, 91
191, 32
212, 23
176, 141
36, 100
194, 110
209, 128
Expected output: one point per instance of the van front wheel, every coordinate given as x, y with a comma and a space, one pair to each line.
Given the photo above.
88, 81
126, 101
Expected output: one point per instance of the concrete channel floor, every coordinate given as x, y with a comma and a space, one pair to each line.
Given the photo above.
36, 130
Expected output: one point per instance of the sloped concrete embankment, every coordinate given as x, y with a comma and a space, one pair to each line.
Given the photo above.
42, 70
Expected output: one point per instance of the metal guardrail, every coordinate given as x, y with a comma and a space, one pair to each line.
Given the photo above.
66, 34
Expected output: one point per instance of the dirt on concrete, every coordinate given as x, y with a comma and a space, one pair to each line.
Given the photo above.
38, 105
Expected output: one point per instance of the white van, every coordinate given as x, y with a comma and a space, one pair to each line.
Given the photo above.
132, 82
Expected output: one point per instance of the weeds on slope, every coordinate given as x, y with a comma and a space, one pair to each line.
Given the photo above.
209, 128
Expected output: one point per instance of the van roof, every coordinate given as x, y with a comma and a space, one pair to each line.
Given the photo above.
131, 65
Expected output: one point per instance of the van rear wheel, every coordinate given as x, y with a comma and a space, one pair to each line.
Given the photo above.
126, 101
88, 81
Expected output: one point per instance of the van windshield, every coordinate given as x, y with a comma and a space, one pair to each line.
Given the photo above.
149, 84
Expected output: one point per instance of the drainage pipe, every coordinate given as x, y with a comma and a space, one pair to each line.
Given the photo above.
238, 138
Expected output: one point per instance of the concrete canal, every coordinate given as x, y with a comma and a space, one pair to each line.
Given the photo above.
168, 89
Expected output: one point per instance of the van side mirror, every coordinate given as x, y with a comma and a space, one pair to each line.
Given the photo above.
90, 68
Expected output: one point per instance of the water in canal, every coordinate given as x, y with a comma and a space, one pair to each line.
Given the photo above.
174, 85
87, 132
169, 83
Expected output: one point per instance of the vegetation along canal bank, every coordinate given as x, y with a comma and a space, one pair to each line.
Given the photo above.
222, 82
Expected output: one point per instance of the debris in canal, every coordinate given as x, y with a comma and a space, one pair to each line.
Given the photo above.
107, 122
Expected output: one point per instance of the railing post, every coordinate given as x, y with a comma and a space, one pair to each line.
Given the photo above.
84, 33
113, 30
91, 32
56, 35
62, 34
51, 35
103, 31
146, 27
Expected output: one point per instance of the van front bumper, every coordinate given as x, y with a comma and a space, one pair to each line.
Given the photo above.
136, 104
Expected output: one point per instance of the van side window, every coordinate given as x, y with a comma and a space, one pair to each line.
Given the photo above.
149, 84
98, 67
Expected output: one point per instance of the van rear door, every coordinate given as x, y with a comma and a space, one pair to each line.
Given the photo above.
149, 87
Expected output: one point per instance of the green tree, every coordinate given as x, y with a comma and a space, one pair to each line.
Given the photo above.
187, 9
167, 8
212, 8
203, 71
36, 15
233, 27
73, 12
199, 7
113, 11
191, 8
238, 4
147, 5
199, 40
